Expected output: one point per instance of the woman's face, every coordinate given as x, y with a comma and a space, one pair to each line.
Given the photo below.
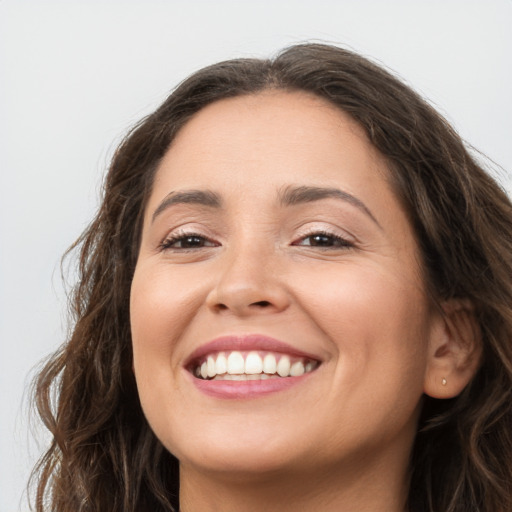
272, 243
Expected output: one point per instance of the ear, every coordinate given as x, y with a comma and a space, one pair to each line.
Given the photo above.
455, 350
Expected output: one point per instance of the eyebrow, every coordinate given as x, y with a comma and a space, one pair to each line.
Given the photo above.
198, 197
293, 195
288, 196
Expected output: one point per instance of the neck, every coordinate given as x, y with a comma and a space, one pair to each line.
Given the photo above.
381, 488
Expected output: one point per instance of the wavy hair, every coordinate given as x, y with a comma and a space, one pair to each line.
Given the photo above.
104, 456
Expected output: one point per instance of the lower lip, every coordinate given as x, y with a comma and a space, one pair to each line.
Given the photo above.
246, 389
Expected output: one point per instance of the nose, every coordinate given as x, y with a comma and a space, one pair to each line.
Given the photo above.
249, 282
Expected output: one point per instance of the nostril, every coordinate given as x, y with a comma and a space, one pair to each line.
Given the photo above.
261, 303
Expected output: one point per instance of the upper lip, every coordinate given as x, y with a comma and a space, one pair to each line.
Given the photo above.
247, 342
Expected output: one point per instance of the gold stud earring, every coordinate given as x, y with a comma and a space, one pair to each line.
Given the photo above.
444, 382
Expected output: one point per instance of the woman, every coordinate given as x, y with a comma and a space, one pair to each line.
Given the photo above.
295, 296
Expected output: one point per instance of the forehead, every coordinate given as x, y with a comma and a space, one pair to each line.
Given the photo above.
282, 135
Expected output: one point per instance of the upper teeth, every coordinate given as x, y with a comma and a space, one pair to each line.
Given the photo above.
235, 363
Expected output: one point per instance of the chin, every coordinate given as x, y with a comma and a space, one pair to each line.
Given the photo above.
239, 467
244, 452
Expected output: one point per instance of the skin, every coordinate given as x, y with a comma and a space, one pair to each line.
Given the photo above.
341, 439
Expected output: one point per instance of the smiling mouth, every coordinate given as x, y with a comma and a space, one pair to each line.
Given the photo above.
251, 365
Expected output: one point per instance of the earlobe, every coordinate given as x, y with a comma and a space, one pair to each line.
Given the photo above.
455, 350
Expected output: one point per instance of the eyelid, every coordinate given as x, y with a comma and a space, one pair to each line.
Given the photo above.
182, 232
324, 228
339, 242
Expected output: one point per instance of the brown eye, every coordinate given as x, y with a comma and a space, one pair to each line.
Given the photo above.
326, 240
191, 241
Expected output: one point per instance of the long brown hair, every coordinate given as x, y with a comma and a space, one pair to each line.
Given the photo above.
105, 457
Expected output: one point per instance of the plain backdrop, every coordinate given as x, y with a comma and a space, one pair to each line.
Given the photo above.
74, 75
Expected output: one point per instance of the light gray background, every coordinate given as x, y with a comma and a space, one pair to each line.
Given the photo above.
75, 74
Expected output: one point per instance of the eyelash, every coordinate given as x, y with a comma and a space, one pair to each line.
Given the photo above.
335, 241
167, 244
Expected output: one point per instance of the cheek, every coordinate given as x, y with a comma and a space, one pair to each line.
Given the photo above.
377, 321
378, 326
162, 305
